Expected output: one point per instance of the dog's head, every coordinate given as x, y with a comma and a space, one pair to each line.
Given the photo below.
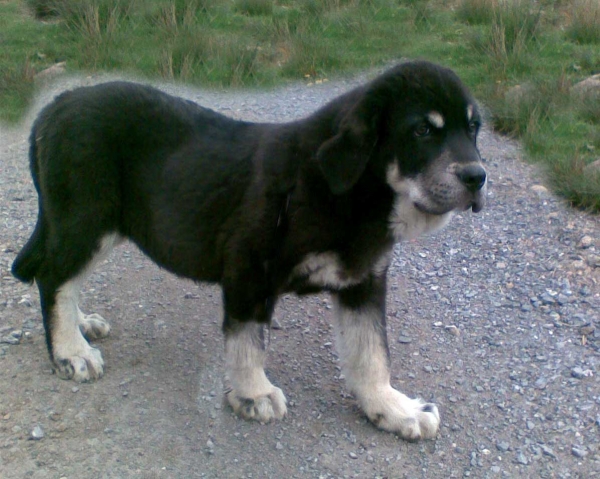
415, 129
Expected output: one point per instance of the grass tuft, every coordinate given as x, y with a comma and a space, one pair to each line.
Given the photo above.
585, 23
476, 12
17, 87
311, 58
173, 16
569, 178
514, 27
95, 20
184, 59
520, 110
254, 7
424, 12
44, 8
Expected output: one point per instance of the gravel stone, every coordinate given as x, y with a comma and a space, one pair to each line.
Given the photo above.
502, 446
546, 298
521, 459
562, 299
37, 433
13, 338
275, 324
578, 373
585, 242
579, 451
541, 383
547, 451
587, 329
453, 330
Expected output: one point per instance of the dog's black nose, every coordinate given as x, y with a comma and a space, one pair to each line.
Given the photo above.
472, 176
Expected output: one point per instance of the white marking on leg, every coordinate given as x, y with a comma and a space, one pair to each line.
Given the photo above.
365, 364
406, 220
74, 358
252, 395
436, 119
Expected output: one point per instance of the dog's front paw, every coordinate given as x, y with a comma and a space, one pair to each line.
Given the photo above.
93, 326
412, 419
262, 407
85, 366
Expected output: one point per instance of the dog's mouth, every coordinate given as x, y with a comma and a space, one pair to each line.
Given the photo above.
477, 204
478, 201
436, 210
474, 203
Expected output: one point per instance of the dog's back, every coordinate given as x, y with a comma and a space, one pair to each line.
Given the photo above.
114, 154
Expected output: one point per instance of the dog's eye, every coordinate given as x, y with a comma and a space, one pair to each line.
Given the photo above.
422, 130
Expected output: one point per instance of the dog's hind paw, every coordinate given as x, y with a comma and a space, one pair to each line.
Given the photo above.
262, 408
85, 366
93, 326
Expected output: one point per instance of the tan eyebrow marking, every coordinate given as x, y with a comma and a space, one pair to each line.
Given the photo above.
469, 112
436, 119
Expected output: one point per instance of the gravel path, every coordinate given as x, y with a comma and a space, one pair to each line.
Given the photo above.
496, 318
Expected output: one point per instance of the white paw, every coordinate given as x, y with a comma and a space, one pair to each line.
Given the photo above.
412, 419
78, 360
262, 408
93, 326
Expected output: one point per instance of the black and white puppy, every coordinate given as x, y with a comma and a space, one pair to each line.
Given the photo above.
261, 209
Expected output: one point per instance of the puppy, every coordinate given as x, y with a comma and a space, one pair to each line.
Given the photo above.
262, 209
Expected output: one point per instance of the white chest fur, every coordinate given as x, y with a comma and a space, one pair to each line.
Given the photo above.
327, 270
324, 270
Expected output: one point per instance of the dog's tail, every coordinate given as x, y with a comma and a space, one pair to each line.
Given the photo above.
30, 259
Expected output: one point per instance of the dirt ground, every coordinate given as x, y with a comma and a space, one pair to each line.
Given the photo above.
496, 319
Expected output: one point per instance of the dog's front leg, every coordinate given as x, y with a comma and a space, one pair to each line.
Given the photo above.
362, 344
252, 396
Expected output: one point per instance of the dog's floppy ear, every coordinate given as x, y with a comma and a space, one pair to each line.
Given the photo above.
343, 157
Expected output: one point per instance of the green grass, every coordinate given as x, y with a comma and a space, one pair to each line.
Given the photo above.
544, 46
476, 12
584, 27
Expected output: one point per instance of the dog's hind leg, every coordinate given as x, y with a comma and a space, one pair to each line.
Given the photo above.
362, 343
252, 396
66, 326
